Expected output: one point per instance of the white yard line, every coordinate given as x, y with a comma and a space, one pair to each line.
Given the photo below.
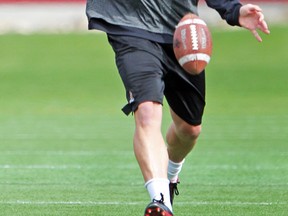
66, 153
95, 203
130, 166
65, 167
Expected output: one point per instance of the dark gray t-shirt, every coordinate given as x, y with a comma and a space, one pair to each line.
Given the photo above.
151, 18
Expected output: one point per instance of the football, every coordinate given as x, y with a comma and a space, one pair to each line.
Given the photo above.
192, 44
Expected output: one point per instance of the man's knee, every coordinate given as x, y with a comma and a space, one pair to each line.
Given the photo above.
148, 114
189, 132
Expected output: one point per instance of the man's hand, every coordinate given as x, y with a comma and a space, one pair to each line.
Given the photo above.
252, 18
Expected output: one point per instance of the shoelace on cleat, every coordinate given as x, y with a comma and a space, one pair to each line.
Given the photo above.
176, 191
161, 200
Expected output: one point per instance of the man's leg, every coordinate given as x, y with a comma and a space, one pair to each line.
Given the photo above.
149, 146
181, 138
151, 151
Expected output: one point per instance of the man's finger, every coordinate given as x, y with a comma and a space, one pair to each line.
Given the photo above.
256, 35
264, 27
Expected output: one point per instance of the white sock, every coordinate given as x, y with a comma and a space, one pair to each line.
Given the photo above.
173, 170
157, 186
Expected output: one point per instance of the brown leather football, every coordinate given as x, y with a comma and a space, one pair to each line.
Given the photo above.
192, 44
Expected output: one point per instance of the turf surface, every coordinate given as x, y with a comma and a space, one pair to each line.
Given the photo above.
65, 146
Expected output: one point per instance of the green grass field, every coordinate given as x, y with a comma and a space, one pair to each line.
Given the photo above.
66, 148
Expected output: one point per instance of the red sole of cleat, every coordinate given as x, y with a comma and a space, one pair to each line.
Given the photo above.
156, 212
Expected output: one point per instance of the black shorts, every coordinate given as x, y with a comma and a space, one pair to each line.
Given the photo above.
149, 71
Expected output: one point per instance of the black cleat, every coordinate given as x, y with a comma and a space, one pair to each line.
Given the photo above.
157, 208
